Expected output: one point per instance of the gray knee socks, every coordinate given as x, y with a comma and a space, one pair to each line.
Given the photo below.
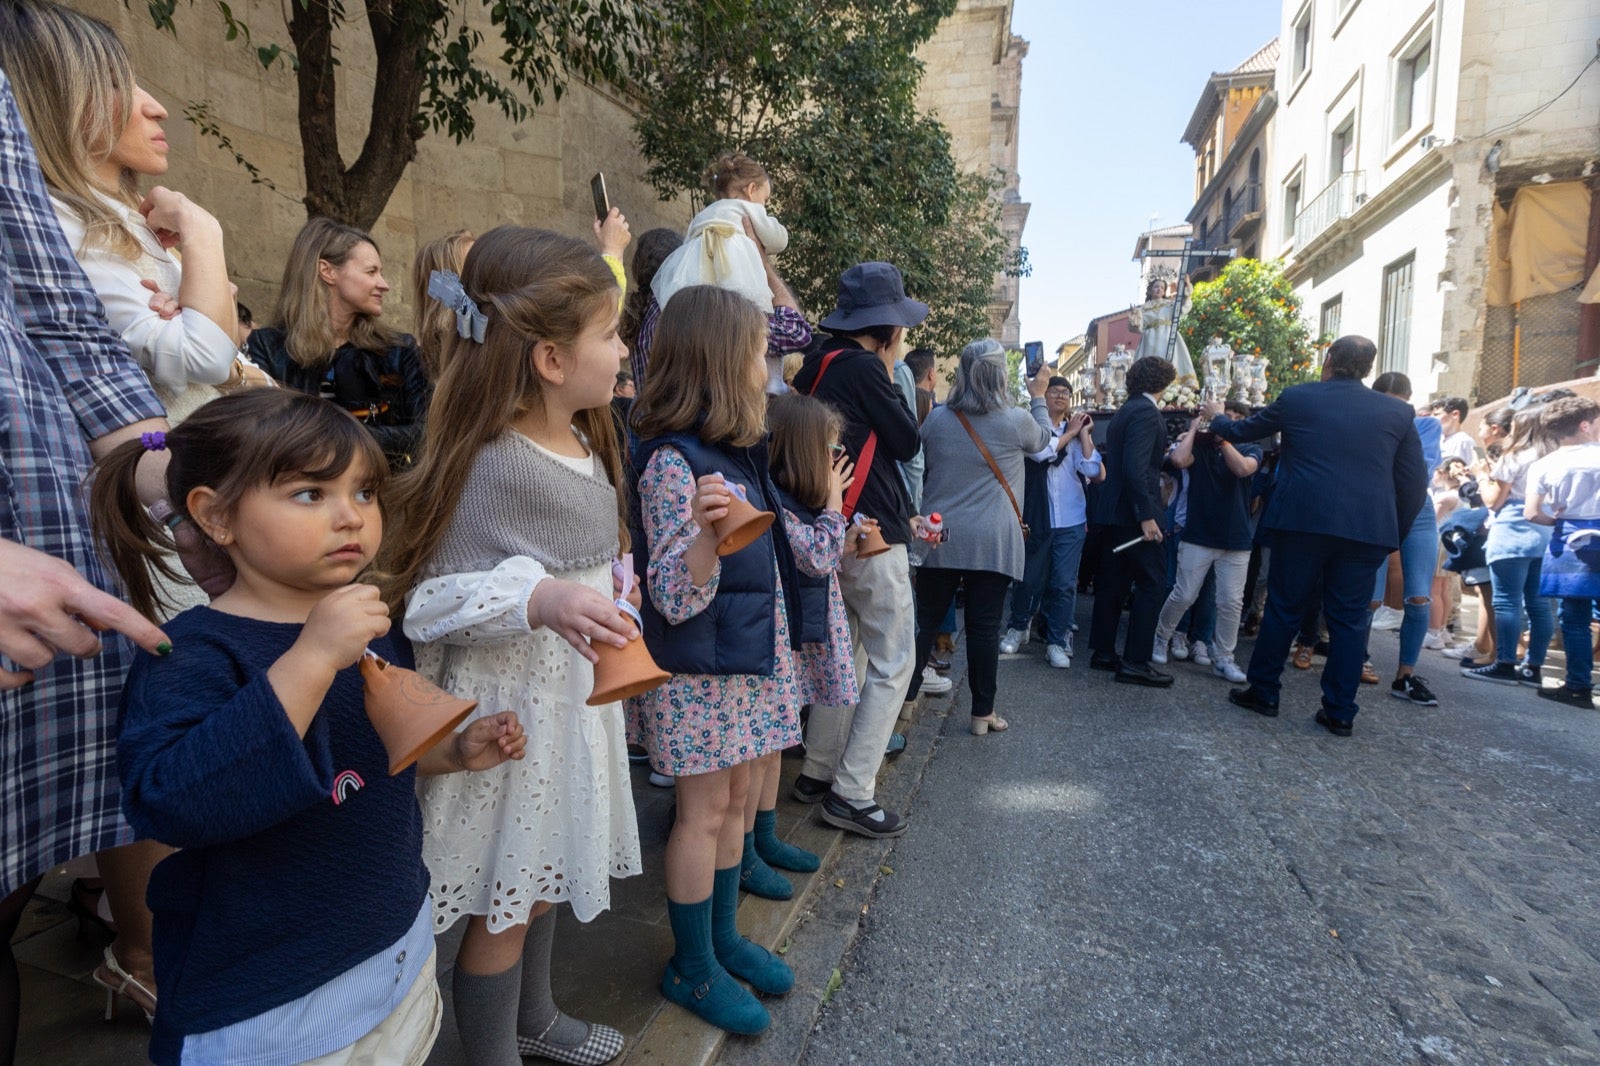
537, 1015
486, 1016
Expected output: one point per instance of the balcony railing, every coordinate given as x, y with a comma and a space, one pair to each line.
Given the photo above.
1246, 207
1333, 204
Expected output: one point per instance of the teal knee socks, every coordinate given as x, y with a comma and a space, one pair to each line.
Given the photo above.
776, 852
694, 978
759, 879
764, 970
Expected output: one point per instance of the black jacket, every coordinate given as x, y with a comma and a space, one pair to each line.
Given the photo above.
859, 387
387, 390
1136, 443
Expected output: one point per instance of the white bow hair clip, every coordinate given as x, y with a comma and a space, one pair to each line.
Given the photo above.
445, 286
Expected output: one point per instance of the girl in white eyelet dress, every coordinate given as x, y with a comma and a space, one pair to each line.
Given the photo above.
511, 524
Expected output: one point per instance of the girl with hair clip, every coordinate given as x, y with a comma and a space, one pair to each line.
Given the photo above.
434, 322
511, 524
329, 341
728, 626
293, 924
811, 471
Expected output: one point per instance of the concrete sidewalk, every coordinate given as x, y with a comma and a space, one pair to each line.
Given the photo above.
607, 971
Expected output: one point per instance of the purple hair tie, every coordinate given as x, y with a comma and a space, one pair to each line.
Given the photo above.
154, 442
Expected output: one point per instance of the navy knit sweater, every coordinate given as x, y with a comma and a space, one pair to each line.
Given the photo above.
300, 858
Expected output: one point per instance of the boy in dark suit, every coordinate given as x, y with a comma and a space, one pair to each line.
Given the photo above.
1129, 507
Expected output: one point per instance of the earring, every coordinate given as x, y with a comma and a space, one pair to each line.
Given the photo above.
223, 536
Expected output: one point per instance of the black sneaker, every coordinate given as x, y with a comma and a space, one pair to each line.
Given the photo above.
810, 789
869, 821
1415, 689
1499, 673
1528, 674
1572, 697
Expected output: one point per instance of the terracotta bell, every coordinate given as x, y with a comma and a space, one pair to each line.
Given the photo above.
869, 539
742, 525
623, 672
410, 713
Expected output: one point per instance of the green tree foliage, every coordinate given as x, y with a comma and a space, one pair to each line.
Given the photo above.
1255, 311
824, 95
431, 68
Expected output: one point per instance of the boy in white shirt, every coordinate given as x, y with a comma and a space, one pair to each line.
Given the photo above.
1564, 492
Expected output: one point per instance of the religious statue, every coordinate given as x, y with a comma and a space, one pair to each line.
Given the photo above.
1218, 361
1156, 320
1118, 363
1258, 380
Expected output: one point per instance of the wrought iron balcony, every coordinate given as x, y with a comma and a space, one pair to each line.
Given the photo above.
1245, 213
1333, 204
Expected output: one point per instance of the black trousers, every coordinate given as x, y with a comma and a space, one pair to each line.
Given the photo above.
1143, 568
985, 606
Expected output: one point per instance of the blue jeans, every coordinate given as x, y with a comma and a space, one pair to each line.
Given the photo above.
1576, 613
1516, 589
1049, 582
1419, 557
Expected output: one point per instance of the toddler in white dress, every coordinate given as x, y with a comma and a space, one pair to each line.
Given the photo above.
716, 249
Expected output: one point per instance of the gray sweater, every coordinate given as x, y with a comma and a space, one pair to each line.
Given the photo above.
958, 485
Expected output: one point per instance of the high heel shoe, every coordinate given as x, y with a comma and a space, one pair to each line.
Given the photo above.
991, 724
83, 903
110, 976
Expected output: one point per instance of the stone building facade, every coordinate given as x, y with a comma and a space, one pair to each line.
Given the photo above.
973, 83
1231, 134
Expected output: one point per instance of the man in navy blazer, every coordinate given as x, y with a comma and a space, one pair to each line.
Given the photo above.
1129, 507
1350, 481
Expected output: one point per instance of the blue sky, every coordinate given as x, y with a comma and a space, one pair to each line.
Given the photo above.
1107, 89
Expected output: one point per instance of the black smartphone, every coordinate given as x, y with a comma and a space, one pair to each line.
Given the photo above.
1033, 357
602, 203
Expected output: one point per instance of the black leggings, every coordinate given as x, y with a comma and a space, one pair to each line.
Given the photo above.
985, 606
11, 909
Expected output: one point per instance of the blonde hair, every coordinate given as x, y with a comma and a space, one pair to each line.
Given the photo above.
700, 378
534, 286
732, 172
802, 429
304, 314
434, 322
74, 85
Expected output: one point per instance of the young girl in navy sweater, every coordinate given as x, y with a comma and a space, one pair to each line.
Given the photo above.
811, 472
727, 626
293, 925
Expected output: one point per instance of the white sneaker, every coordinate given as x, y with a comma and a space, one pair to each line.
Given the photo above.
1158, 654
1436, 640
1228, 670
1180, 647
935, 683
1067, 644
1387, 618
1198, 654
1014, 639
1058, 657
1458, 651
661, 780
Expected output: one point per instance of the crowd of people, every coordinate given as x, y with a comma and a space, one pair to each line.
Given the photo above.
542, 472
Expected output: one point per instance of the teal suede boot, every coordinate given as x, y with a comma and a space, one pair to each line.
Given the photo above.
778, 853
759, 879
742, 958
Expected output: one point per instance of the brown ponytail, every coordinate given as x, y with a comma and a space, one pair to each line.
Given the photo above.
135, 544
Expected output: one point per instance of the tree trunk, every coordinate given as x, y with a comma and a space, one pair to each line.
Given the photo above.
356, 195
1589, 316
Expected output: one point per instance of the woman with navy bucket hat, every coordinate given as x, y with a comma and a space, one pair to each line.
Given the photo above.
851, 371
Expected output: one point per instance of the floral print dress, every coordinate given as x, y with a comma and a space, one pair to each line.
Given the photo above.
700, 723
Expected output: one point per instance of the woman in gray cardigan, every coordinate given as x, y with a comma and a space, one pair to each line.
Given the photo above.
984, 552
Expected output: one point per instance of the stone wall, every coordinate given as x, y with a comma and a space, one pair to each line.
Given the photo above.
530, 173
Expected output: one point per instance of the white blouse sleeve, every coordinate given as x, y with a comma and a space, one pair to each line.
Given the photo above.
474, 608
773, 235
187, 350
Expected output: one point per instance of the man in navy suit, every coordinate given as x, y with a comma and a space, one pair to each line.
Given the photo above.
1351, 480
1129, 507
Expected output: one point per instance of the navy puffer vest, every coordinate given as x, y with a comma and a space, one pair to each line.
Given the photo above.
736, 634
813, 591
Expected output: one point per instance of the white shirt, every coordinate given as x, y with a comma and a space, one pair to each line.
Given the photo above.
1067, 505
1457, 445
1569, 481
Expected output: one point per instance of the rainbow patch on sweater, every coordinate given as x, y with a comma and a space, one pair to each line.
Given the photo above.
347, 784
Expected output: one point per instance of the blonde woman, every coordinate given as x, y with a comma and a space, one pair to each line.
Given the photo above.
97, 133
328, 339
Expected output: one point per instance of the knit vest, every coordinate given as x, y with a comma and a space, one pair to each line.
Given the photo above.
736, 634
812, 591
520, 501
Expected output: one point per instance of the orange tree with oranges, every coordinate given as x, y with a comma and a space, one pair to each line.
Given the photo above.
1255, 311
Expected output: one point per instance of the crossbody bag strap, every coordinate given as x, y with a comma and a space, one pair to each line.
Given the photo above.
868, 450
994, 468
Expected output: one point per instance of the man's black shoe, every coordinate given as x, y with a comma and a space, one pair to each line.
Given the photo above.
1572, 697
1142, 674
1251, 700
1333, 725
1104, 662
810, 789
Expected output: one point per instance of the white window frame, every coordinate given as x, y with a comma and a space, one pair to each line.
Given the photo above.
1306, 17
1402, 83
1342, 11
1336, 158
1296, 181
